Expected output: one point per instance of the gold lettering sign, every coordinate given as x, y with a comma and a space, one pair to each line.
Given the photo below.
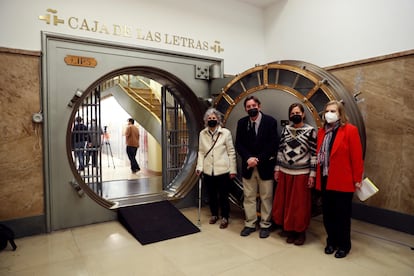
126, 31
80, 61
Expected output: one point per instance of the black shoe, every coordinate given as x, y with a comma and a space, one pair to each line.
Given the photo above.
329, 249
247, 231
341, 254
264, 233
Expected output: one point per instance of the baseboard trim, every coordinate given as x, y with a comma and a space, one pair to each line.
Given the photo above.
382, 217
29, 226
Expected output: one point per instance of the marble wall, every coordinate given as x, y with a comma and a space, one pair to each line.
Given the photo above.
387, 86
21, 164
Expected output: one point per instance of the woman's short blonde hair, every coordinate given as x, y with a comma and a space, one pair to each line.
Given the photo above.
341, 110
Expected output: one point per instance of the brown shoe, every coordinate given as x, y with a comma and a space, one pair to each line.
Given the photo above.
213, 220
224, 223
300, 240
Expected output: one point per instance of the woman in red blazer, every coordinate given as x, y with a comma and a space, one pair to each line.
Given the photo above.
339, 171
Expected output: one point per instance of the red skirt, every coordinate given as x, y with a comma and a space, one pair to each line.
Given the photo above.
292, 202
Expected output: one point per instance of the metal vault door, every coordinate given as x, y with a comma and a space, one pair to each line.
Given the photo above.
72, 90
282, 83
86, 139
278, 85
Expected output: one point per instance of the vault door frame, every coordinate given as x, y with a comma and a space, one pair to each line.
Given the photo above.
64, 207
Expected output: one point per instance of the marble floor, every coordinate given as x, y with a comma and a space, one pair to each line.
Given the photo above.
108, 249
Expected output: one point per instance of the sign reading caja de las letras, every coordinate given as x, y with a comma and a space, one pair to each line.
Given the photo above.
126, 31
80, 61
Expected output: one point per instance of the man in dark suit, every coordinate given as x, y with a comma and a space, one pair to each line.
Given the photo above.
257, 141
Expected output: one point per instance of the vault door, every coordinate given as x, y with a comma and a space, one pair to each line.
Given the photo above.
278, 85
175, 138
86, 140
61, 78
282, 83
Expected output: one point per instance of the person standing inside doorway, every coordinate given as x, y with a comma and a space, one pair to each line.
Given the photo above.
257, 141
132, 144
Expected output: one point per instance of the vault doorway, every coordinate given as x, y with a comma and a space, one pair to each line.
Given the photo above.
172, 123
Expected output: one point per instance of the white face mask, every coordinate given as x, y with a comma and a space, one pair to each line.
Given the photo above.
331, 117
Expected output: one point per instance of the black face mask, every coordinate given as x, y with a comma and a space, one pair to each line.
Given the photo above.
296, 119
212, 123
253, 112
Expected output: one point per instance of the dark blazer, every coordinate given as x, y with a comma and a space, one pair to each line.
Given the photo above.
264, 147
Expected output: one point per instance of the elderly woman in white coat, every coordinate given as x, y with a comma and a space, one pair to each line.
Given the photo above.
217, 164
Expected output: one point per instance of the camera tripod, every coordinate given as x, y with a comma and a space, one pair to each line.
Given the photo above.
107, 144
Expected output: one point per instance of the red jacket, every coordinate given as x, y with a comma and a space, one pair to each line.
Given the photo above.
346, 165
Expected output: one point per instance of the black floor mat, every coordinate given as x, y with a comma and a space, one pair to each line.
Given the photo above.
154, 222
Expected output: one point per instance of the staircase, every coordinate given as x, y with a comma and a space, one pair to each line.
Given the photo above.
145, 97
137, 88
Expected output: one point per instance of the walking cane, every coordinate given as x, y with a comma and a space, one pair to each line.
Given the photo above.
199, 201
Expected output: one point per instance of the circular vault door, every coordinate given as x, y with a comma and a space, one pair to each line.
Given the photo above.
282, 83
278, 85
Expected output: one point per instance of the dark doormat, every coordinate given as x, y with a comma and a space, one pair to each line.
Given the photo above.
154, 222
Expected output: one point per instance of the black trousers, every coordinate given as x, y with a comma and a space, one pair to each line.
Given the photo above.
132, 152
218, 193
337, 212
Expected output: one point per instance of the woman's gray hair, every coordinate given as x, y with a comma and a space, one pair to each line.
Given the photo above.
214, 111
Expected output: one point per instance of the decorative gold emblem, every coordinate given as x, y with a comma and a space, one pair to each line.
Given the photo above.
56, 20
216, 47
